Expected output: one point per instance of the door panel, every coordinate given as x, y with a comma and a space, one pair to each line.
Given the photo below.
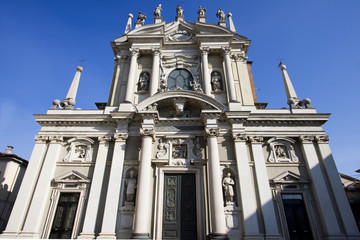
179, 216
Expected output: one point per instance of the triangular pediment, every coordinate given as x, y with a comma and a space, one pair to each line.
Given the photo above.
289, 177
71, 177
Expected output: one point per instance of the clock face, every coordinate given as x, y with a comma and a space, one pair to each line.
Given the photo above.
180, 78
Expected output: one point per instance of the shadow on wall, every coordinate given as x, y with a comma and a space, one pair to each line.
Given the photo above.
5, 205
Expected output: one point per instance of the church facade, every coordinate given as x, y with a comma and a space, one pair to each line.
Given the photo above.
182, 149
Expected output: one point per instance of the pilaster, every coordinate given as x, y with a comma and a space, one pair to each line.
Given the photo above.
323, 199
27, 187
32, 226
264, 191
337, 188
154, 83
108, 229
91, 214
229, 74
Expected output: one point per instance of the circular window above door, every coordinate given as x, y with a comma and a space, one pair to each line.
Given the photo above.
180, 79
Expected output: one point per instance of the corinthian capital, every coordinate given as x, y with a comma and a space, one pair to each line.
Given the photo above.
226, 50
306, 139
322, 139
212, 132
104, 139
120, 137
56, 139
147, 132
204, 51
134, 51
240, 137
156, 51
256, 139
41, 139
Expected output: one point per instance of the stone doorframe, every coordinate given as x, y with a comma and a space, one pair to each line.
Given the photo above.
200, 200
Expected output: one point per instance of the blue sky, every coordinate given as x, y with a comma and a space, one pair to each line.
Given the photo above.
42, 41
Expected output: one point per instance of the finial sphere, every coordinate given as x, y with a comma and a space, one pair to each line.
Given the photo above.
282, 67
56, 102
229, 15
79, 68
130, 15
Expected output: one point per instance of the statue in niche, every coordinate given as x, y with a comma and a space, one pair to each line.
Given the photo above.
216, 82
228, 185
179, 11
141, 18
143, 84
201, 11
157, 11
130, 184
280, 152
221, 15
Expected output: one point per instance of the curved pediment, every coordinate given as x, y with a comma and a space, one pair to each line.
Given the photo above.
180, 103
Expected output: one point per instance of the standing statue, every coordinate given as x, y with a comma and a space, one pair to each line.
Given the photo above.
216, 82
143, 84
228, 184
130, 187
141, 18
157, 11
201, 11
220, 14
179, 11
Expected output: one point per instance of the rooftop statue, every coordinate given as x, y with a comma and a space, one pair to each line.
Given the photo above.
201, 11
157, 11
179, 11
141, 18
220, 14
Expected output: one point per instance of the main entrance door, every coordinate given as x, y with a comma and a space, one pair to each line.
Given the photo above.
179, 216
296, 217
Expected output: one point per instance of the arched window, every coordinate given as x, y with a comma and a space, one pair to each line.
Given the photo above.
180, 78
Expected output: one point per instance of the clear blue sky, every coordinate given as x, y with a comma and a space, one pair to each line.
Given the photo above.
42, 41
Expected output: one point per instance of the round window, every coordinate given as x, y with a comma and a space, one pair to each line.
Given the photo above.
180, 78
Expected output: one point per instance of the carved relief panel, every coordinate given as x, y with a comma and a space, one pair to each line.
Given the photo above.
282, 150
179, 151
79, 150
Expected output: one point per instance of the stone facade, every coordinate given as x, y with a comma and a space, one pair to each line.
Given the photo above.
182, 149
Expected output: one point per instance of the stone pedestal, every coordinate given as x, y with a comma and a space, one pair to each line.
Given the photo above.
158, 19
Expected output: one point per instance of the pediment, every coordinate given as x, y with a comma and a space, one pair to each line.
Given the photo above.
71, 177
289, 177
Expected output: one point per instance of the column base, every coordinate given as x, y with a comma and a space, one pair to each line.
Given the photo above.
29, 235
126, 106
218, 236
140, 236
8, 235
235, 106
106, 236
86, 236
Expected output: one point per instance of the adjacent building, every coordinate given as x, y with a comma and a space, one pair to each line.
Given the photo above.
182, 149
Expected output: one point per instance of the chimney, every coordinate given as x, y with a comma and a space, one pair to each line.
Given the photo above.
9, 149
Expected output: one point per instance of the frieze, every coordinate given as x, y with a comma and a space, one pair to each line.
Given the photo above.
280, 123
322, 139
307, 139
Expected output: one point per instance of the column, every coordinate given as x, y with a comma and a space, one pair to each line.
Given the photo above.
205, 70
108, 229
323, 199
154, 83
131, 79
22, 202
246, 187
142, 221
95, 190
218, 225
229, 75
337, 187
266, 198
36, 210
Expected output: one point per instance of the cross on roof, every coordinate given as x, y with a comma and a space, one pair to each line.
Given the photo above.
82, 60
279, 58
